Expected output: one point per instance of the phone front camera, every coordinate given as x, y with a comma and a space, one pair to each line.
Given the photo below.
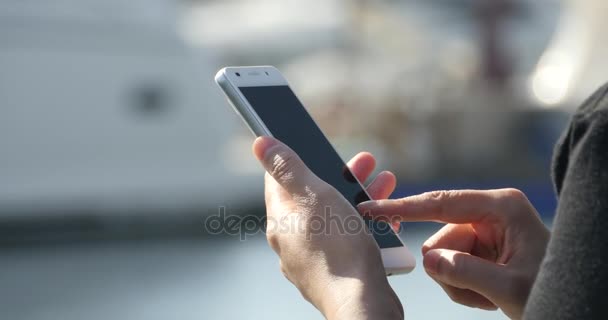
238, 74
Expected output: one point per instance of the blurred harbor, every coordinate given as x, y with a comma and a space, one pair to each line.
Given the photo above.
116, 142
207, 278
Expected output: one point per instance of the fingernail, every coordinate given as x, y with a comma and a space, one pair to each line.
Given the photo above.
366, 203
365, 208
431, 261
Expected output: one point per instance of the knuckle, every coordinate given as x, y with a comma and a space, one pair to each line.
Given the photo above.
455, 267
514, 194
283, 164
273, 241
444, 267
439, 199
439, 195
513, 201
318, 194
283, 269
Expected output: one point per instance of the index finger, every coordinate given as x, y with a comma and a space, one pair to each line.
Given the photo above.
456, 206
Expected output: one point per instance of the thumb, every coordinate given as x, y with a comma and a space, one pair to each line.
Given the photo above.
284, 165
465, 271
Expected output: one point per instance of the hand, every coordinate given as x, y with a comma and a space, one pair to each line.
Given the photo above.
339, 273
488, 254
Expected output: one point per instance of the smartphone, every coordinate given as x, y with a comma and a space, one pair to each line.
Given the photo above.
265, 101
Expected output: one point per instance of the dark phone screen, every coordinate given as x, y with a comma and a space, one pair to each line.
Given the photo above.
287, 119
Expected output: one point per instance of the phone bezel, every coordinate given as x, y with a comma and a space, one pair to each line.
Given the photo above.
230, 83
397, 260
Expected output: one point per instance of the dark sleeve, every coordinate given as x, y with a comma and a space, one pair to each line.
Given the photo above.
573, 279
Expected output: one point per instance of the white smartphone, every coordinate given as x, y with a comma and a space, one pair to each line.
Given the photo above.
263, 98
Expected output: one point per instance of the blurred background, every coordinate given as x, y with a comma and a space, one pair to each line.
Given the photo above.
116, 144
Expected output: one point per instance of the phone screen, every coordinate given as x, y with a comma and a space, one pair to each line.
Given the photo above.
287, 119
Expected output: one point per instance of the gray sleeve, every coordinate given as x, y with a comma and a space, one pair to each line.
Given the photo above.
573, 280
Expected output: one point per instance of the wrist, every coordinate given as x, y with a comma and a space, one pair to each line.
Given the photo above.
354, 298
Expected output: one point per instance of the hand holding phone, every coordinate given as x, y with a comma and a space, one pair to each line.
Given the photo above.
337, 268
263, 98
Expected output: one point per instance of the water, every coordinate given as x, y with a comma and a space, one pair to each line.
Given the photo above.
182, 279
